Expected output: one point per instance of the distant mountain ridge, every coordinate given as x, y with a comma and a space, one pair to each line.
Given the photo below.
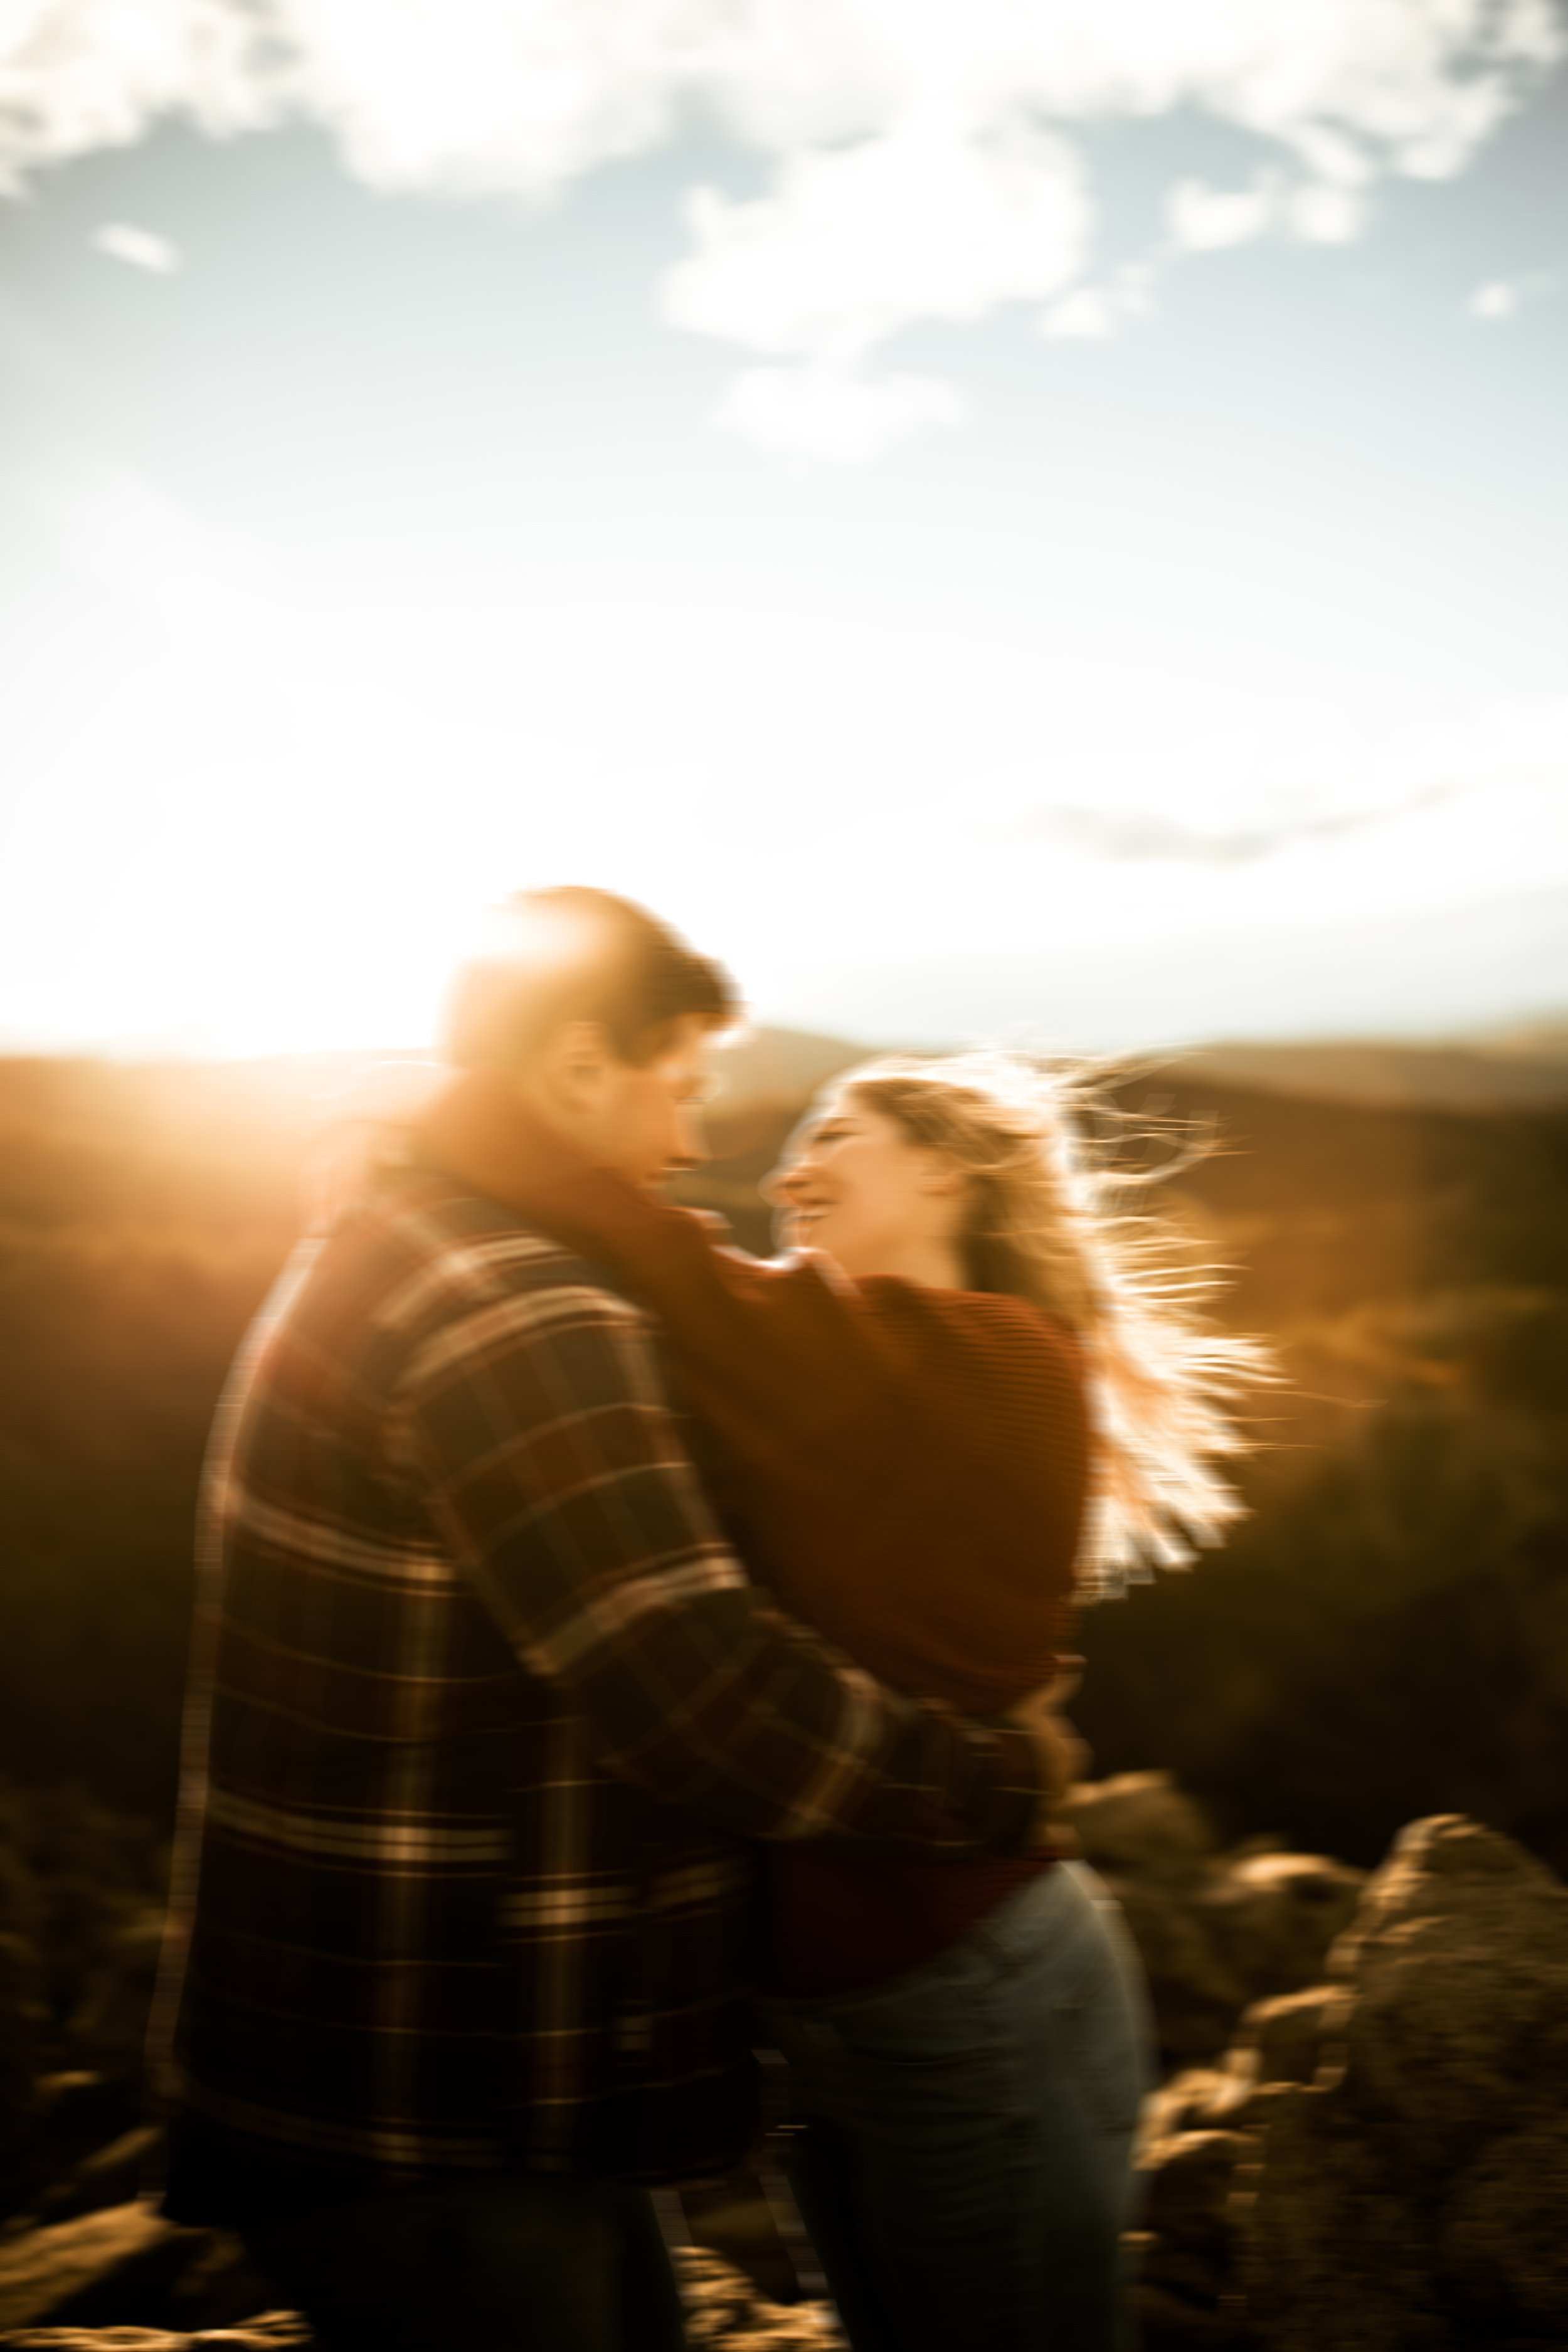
1513, 1069
781, 1065
291, 1096
1395, 1074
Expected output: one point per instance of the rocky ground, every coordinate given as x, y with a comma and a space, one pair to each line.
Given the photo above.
1361, 2145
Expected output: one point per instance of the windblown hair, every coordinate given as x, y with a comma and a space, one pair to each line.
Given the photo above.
579, 954
1055, 1219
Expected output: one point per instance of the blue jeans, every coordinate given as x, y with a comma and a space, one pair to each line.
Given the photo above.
963, 2155
489, 2262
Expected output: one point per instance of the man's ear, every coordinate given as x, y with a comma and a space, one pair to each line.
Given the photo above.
575, 1065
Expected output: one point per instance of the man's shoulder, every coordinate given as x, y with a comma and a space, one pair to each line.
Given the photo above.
467, 1246
423, 1255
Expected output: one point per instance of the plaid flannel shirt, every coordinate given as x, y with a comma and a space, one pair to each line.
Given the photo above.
484, 1714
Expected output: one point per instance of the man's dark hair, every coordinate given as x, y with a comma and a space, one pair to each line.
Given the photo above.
576, 954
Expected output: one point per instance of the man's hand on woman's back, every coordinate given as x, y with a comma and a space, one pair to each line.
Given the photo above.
1064, 1757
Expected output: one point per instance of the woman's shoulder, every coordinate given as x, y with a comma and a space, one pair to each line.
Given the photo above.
1001, 1385
984, 1332
984, 1314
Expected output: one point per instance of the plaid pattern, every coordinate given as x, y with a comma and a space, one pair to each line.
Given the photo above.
484, 1712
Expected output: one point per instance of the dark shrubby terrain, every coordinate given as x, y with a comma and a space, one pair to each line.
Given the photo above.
1387, 1637
143, 1216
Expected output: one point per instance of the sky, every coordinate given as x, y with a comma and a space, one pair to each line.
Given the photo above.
1039, 519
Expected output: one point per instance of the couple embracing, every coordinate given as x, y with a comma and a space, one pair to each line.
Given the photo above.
615, 1652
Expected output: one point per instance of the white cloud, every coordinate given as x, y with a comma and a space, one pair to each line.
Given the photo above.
1504, 298
1142, 835
1497, 299
941, 199
1329, 154
833, 414
1323, 213
1434, 814
1090, 314
864, 240
913, 179
473, 96
526, 94
858, 242
1201, 219
1087, 315
142, 248
76, 75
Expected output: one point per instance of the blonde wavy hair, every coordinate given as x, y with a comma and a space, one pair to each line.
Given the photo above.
1056, 1215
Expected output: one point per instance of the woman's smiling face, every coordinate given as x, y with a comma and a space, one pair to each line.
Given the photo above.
852, 1183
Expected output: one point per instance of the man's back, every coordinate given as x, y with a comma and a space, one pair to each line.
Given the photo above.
432, 1934
483, 1710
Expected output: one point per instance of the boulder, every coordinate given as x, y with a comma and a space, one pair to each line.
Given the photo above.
1273, 1917
1409, 2197
1139, 1823
1504, 2233
106, 2260
1216, 1932
1187, 2184
1200, 2098
265, 2333
1182, 2256
1330, 2254
1195, 1992
725, 2312
125, 2264
1458, 1966
1286, 2039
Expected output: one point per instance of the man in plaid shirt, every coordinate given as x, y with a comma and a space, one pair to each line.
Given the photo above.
484, 1715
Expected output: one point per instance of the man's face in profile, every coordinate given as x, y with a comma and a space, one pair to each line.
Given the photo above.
647, 1121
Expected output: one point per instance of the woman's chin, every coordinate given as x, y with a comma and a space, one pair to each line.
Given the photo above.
806, 1234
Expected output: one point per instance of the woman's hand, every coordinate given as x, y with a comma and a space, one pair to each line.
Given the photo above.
1064, 1758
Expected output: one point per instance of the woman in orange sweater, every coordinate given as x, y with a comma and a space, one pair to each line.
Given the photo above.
969, 1395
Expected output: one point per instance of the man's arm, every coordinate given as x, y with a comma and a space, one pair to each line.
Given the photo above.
539, 1434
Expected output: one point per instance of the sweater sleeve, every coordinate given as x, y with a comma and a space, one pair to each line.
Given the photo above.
787, 1349
546, 1457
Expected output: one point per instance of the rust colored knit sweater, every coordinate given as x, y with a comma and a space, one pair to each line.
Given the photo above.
904, 1466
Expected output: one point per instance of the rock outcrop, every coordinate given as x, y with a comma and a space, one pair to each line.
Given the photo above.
124, 2264
725, 2313
1411, 2196
1216, 1931
80, 1920
265, 2333
1380, 2163
1363, 2145
1199, 2133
